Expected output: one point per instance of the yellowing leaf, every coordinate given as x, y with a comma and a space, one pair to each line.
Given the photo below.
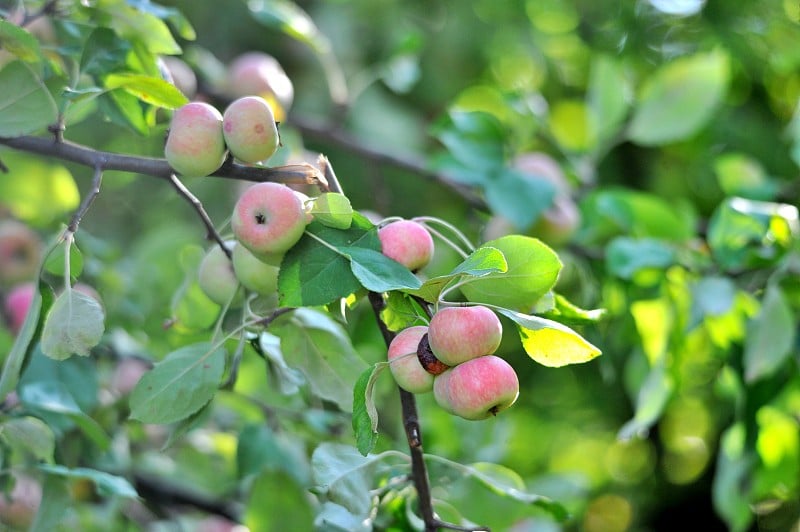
550, 343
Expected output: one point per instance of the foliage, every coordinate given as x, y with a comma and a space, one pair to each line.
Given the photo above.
675, 130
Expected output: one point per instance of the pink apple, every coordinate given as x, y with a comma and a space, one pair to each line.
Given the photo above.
268, 218
407, 242
195, 144
458, 334
478, 388
17, 303
404, 364
260, 74
249, 128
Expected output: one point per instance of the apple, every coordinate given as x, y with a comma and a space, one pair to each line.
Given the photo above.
19, 509
195, 144
256, 274
268, 218
20, 252
181, 75
478, 388
407, 242
249, 128
404, 364
259, 74
127, 373
16, 305
216, 277
458, 334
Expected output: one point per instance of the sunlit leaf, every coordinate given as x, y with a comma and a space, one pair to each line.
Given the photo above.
290, 18
679, 98
73, 326
333, 209
550, 343
148, 89
482, 261
19, 42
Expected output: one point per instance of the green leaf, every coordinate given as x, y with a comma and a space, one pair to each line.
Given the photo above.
29, 435
19, 42
148, 89
502, 481
625, 257
107, 484
260, 449
533, 270
333, 210
73, 326
550, 343
26, 105
606, 95
518, 197
104, 52
729, 492
23, 346
482, 261
475, 140
650, 403
741, 175
56, 500
179, 385
169, 14
124, 109
290, 18
365, 415
55, 262
770, 337
377, 272
289, 379
564, 311
140, 27
312, 274
276, 502
679, 99
30, 179
322, 350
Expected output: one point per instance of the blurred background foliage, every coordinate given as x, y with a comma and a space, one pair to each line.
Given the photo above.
675, 126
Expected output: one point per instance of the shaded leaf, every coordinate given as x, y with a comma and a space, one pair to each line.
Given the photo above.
365, 415
29, 435
26, 105
107, 484
178, 386
770, 336
74, 325
377, 272
606, 95
650, 403
518, 197
625, 257
290, 18
19, 42
289, 379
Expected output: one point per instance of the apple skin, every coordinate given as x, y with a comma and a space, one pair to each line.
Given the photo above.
181, 75
260, 74
20, 252
408, 373
216, 277
255, 274
407, 242
268, 218
249, 128
127, 373
458, 334
16, 305
478, 388
195, 144
25, 499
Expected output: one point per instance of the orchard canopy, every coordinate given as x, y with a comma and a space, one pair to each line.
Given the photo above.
371, 265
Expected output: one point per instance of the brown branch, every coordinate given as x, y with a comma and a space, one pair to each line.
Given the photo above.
211, 231
341, 139
97, 180
76, 153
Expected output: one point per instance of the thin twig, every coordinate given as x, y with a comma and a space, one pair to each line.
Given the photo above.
212, 233
97, 180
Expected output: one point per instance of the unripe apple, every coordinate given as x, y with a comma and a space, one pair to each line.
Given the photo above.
558, 223
268, 218
195, 143
478, 388
254, 273
249, 128
458, 334
543, 166
17, 303
260, 74
20, 252
404, 364
407, 242
216, 277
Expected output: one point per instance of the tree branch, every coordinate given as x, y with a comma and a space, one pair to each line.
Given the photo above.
77, 153
212, 233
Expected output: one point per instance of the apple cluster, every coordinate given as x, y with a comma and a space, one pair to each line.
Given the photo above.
453, 357
268, 219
